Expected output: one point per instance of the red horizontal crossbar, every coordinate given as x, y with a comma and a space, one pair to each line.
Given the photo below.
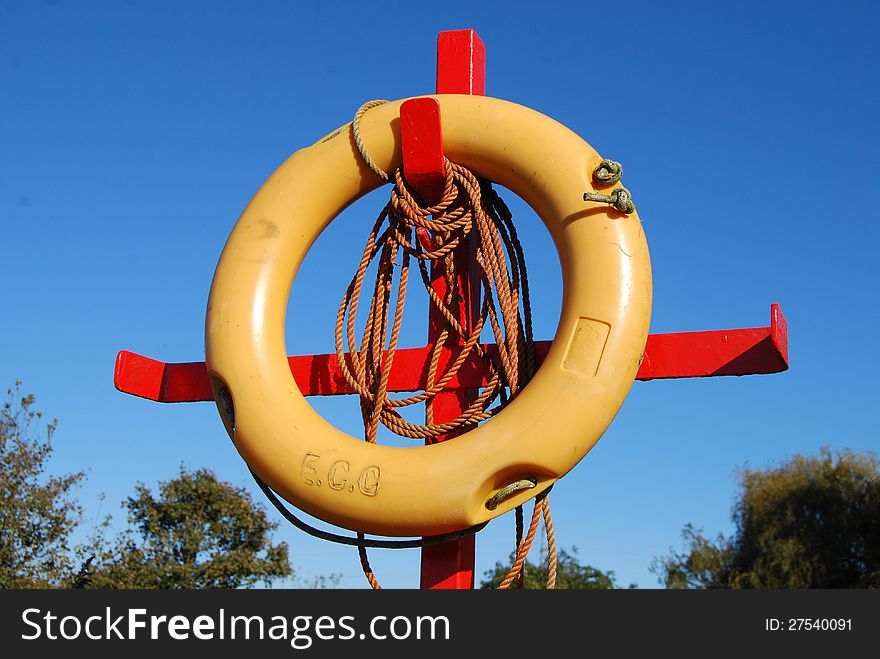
677, 355
719, 352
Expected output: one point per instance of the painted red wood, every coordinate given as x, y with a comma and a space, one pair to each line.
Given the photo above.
461, 69
461, 63
450, 565
718, 352
421, 141
752, 351
779, 335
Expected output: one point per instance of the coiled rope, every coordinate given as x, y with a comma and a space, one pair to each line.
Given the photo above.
469, 209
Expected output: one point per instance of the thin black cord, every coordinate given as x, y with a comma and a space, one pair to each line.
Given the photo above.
357, 542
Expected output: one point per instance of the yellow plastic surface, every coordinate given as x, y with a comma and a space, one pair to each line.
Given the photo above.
541, 435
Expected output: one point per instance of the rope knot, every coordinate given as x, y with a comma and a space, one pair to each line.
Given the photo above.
620, 198
608, 172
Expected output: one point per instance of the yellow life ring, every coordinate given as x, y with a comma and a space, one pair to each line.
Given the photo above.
540, 435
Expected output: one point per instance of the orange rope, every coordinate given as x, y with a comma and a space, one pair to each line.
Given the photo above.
461, 211
469, 209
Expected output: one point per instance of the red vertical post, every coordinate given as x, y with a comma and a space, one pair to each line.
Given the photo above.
461, 69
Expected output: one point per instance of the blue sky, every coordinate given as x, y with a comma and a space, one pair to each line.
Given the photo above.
132, 134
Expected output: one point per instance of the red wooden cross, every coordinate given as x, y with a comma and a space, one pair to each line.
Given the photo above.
461, 69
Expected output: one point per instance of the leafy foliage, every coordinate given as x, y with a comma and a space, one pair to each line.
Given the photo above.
320, 582
812, 522
38, 513
199, 532
570, 574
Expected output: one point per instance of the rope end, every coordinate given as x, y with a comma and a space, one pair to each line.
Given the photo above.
620, 199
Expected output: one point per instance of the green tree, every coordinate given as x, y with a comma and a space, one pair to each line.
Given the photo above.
812, 522
38, 512
199, 532
320, 582
570, 574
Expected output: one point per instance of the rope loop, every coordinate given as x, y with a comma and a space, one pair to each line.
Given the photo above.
507, 490
356, 132
470, 210
608, 172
